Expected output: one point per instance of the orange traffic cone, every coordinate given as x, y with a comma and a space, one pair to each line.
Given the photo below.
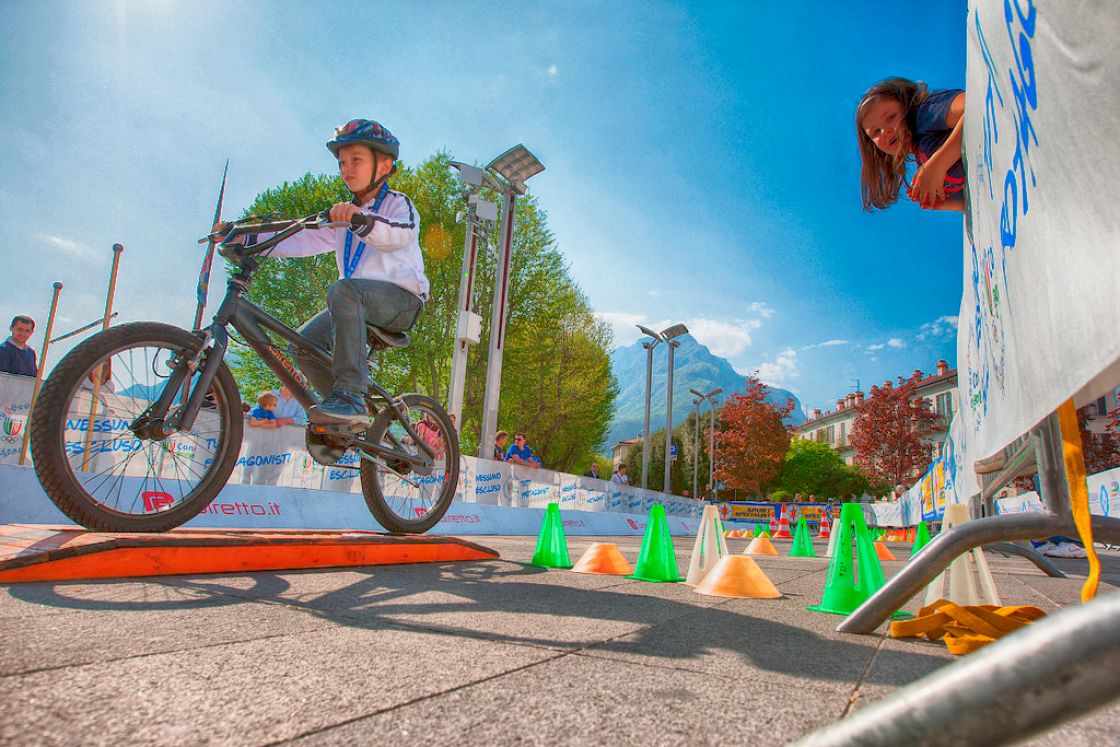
883, 552
760, 546
783, 526
913, 534
773, 525
738, 576
826, 528
604, 558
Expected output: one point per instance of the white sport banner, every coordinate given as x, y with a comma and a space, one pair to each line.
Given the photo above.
1040, 310
278, 458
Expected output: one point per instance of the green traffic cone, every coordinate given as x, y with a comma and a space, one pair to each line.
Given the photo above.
552, 545
657, 561
759, 530
921, 538
848, 587
802, 542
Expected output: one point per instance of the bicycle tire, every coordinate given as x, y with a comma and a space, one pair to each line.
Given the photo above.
371, 473
48, 432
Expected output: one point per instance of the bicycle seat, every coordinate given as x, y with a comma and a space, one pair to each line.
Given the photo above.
380, 339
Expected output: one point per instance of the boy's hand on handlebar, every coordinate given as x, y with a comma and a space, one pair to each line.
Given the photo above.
220, 229
342, 212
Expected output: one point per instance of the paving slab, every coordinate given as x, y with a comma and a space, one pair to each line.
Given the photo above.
492, 652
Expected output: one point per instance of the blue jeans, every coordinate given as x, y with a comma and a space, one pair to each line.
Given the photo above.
340, 329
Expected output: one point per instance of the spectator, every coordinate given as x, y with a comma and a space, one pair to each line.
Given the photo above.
428, 430
593, 472
264, 416
288, 409
15, 355
521, 454
619, 475
685, 493
500, 441
454, 422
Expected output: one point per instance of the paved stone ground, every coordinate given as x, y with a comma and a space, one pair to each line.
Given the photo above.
492, 653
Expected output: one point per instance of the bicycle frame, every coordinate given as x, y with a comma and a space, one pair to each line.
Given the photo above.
252, 322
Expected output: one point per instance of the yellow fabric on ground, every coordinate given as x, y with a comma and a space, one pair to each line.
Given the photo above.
965, 628
1079, 493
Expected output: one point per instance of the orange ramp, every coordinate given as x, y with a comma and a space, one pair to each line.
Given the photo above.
56, 553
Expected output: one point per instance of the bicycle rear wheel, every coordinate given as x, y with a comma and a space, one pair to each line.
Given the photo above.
412, 503
92, 463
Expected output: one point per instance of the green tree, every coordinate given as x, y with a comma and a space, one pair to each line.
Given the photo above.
556, 383
812, 468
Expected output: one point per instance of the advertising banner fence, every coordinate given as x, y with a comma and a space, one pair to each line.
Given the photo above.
277, 457
1041, 215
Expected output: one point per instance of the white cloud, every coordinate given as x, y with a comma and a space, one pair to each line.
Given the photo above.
825, 344
762, 309
880, 346
943, 326
66, 246
623, 325
894, 342
724, 339
779, 370
553, 71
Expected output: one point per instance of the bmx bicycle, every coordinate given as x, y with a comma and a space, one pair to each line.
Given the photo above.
139, 427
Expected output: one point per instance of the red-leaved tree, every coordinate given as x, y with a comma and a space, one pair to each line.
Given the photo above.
1101, 450
751, 439
888, 432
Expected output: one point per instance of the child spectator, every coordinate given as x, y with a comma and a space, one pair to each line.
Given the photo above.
898, 121
264, 415
500, 440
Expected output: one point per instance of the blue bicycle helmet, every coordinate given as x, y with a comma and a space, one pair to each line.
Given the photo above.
367, 132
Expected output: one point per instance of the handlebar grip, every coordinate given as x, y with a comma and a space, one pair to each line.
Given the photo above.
361, 224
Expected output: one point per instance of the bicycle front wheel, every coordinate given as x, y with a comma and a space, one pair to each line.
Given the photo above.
97, 466
411, 502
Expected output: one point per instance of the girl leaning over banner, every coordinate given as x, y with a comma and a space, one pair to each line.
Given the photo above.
898, 121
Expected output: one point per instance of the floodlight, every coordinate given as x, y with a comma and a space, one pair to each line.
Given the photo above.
516, 166
675, 331
650, 332
469, 175
698, 394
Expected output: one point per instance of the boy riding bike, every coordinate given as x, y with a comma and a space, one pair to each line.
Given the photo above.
380, 267
169, 426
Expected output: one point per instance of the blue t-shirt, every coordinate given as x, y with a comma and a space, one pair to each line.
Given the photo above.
262, 414
932, 131
524, 452
16, 361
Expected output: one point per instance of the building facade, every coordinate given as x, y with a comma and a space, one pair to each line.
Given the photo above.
834, 427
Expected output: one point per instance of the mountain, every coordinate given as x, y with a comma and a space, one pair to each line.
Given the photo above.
694, 367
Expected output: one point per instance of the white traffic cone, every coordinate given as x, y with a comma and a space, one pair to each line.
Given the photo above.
710, 546
970, 579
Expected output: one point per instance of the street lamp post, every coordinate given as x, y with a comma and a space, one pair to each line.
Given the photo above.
711, 397
696, 450
479, 215
649, 345
510, 170
669, 335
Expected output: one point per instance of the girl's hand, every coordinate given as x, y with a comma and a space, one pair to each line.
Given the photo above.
928, 186
343, 211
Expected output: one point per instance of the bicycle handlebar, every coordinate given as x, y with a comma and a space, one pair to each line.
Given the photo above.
359, 223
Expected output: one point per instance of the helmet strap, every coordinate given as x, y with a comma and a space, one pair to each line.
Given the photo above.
375, 183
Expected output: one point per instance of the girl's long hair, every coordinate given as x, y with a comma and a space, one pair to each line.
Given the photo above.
883, 175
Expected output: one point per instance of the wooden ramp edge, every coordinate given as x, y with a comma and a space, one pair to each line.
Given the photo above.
56, 553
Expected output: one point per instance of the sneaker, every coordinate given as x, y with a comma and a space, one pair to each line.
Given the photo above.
340, 407
1065, 550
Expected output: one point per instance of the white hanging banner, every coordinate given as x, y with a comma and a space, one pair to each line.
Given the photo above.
1040, 312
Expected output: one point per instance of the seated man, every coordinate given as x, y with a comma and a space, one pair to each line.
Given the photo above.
521, 454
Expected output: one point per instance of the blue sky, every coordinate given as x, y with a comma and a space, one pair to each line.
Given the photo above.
701, 159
